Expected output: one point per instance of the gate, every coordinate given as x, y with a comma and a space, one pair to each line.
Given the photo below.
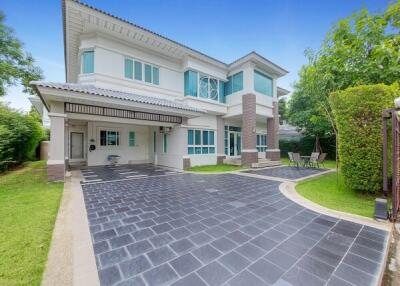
391, 115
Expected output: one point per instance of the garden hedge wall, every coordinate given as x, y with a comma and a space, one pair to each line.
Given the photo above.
358, 116
20, 134
305, 146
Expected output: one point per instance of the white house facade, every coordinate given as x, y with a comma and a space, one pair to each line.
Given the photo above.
148, 99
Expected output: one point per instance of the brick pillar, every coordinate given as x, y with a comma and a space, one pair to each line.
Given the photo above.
249, 136
56, 161
220, 140
273, 151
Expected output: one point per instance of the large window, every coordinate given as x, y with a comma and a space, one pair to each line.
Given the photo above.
135, 69
201, 141
234, 84
109, 138
203, 86
261, 142
262, 83
87, 62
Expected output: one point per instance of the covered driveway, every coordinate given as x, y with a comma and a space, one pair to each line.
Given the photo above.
225, 229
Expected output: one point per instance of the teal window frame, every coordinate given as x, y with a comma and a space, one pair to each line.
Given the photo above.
203, 86
154, 141
234, 83
263, 83
138, 70
87, 59
132, 139
156, 76
129, 68
190, 83
201, 142
109, 137
165, 142
147, 73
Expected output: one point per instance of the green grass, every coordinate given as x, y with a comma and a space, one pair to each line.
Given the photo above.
28, 208
215, 168
329, 164
326, 192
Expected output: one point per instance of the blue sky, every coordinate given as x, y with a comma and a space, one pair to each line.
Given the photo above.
279, 30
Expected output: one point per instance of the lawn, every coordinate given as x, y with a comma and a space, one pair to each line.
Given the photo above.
325, 191
28, 209
330, 164
215, 168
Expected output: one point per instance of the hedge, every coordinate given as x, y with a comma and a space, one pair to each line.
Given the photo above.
305, 146
358, 116
20, 134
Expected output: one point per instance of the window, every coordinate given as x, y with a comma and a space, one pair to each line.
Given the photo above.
190, 78
262, 83
138, 70
147, 73
156, 76
201, 141
132, 139
234, 84
165, 142
128, 68
109, 138
261, 142
88, 62
202, 85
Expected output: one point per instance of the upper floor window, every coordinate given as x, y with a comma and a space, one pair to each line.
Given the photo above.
87, 62
262, 83
134, 69
234, 84
204, 86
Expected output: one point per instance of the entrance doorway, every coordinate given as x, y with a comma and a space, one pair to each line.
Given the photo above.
235, 143
77, 145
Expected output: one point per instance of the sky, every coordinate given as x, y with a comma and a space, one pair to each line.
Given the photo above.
224, 29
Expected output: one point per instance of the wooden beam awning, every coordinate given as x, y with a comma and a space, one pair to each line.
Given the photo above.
120, 113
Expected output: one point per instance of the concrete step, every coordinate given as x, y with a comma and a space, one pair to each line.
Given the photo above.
263, 163
233, 161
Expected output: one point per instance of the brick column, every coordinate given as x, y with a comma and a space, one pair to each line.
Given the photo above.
56, 161
249, 136
273, 151
220, 140
186, 164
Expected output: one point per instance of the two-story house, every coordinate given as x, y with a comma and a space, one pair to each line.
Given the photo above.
148, 99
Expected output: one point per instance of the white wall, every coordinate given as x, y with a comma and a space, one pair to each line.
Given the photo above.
129, 155
176, 148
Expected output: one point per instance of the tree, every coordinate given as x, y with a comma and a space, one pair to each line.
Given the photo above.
16, 66
282, 109
361, 49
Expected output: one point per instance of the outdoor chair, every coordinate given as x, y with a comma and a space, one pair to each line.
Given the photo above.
291, 161
314, 159
297, 160
321, 159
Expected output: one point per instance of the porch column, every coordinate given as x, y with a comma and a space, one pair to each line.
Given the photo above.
220, 140
186, 164
273, 151
56, 161
249, 136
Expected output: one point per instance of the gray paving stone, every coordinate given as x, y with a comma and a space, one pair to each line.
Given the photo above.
121, 241
250, 251
206, 253
200, 238
190, 280
143, 234
214, 274
269, 272
366, 252
336, 281
102, 235
113, 257
263, 242
325, 256
109, 276
160, 228
138, 248
316, 267
275, 235
161, 275
354, 276
160, 255
280, 258
185, 264
234, 262
132, 267
135, 281
238, 237
182, 245
297, 276
161, 240
223, 244
101, 247
246, 278
180, 233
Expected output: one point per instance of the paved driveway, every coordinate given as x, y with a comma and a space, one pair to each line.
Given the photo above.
285, 172
223, 230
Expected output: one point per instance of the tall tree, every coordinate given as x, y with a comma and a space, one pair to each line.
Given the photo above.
282, 109
16, 66
361, 49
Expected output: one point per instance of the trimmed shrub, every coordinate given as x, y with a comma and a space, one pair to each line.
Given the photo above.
358, 116
19, 136
305, 146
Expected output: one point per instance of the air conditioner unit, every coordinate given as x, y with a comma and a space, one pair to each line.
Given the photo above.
165, 129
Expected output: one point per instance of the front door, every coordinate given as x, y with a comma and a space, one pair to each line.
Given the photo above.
76, 145
235, 143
